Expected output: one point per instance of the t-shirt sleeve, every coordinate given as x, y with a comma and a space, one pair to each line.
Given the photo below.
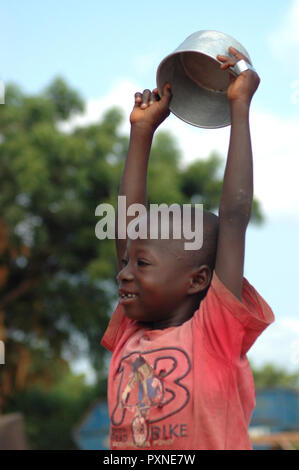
229, 326
119, 329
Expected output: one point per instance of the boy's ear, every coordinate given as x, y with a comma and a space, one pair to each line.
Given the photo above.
200, 279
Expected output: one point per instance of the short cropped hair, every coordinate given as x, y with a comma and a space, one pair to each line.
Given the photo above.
206, 255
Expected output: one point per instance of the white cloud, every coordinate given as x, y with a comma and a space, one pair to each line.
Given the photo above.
122, 96
276, 162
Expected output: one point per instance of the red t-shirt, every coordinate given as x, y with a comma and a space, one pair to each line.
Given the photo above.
189, 386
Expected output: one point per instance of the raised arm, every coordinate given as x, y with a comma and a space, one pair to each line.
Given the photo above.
148, 113
237, 192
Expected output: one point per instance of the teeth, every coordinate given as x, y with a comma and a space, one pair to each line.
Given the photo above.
128, 296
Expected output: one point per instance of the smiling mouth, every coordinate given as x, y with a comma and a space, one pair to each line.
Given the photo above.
127, 296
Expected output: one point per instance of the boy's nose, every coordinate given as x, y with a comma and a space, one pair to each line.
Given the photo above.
125, 274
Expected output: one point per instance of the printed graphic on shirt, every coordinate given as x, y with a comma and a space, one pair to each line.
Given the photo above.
150, 389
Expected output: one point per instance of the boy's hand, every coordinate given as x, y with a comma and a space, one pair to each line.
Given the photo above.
150, 110
242, 87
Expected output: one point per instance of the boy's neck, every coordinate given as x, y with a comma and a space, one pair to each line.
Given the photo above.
182, 315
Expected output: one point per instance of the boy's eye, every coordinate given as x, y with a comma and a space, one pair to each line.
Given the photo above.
141, 262
124, 262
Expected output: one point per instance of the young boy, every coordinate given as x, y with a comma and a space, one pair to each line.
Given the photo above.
179, 376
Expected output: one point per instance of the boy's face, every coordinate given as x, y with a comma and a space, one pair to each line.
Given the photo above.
153, 282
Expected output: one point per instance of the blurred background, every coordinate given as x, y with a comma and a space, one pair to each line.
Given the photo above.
69, 71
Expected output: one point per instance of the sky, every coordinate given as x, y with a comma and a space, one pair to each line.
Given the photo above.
109, 50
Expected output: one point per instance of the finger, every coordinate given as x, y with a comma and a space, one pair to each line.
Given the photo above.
166, 93
228, 64
145, 98
238, 55
223, 58
227, 61
154, 96
166, 88
138, 99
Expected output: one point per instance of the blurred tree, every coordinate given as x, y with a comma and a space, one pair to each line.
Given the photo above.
56, 278
52, 415
271, 375
52, 270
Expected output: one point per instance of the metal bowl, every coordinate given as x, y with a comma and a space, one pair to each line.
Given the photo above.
198, 84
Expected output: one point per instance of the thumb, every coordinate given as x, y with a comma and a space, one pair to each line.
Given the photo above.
166, 93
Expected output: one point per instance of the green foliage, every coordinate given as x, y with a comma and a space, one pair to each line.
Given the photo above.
272, 376
164, 173
51, 183
201, 181
65, 101
52, 415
